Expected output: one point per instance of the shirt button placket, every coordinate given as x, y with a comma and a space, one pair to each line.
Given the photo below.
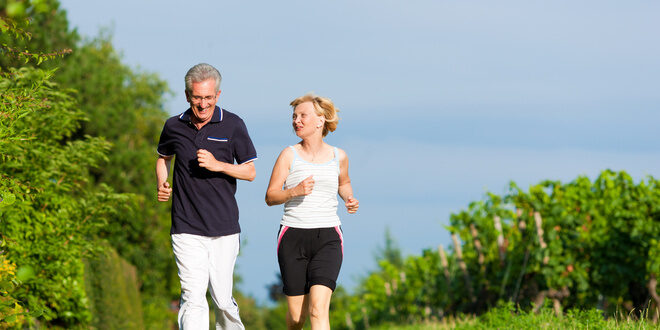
199, 140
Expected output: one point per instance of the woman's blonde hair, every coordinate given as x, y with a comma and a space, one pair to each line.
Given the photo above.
324, 107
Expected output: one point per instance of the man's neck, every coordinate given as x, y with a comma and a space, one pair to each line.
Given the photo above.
200, 124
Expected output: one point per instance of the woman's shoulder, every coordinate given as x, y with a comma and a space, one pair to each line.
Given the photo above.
341, 154
287, 152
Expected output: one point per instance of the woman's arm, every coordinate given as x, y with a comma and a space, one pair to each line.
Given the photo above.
345, 188
276, 194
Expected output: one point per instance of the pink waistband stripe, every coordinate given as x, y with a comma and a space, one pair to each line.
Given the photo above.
341, 237
279, 238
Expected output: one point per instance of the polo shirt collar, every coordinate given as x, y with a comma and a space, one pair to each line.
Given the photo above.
218, 114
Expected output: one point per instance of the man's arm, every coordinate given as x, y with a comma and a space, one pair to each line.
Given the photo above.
162, 172
243, 171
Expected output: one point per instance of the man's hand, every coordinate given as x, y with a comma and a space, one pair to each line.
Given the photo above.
305, 187
352, 204
164, 192
207, 161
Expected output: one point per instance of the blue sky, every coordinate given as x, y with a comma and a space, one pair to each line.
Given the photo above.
440, 100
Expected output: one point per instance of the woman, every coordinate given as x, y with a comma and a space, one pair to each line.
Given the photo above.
306, 178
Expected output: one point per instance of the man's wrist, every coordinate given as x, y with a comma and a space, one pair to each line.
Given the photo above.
221, 167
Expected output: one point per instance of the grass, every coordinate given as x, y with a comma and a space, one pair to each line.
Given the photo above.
506, 316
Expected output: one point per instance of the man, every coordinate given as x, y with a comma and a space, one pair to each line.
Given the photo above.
206, 140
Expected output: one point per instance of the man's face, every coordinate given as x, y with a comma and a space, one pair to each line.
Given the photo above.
202, 98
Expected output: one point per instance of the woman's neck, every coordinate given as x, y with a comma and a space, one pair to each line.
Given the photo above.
312, 145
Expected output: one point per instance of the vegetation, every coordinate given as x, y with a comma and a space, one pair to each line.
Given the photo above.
507, 316
579, 245
50, 210
125, 107
90, 138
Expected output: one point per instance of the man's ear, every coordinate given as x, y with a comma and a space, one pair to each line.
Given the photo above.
187, 96
218, 95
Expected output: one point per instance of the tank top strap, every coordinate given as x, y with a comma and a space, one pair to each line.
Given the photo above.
295, 154
336, 156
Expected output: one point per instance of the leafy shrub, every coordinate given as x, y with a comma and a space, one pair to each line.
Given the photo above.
580, 245
49, 214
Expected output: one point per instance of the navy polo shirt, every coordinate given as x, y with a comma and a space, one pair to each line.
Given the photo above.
203, 201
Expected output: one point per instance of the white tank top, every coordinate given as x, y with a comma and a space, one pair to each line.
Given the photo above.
318, 209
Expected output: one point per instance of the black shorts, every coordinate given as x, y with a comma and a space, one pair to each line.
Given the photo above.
309, 257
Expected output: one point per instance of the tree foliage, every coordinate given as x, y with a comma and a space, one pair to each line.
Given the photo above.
35, 30
125, 107
583, 244
115, 108
50, 210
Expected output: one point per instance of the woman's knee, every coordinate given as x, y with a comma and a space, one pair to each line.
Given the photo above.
297, 311
319, 310
296, 319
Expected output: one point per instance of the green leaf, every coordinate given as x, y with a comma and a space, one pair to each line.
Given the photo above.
24, 273
15, 9
6, 199
10, 318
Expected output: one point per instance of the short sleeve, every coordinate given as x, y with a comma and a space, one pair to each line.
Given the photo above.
242, 147
166, 143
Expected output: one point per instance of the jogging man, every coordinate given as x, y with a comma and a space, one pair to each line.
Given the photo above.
212, 149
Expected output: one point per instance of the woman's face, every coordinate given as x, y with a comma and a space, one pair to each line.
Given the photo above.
305, 120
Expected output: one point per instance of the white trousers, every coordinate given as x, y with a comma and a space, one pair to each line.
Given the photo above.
206, 262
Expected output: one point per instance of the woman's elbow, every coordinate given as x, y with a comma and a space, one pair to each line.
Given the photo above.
271, 198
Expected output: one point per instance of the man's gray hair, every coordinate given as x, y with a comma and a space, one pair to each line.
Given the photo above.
201, 72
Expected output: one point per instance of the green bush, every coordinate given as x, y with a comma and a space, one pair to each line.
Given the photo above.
113, 291
50, 214
124, 107
584, 244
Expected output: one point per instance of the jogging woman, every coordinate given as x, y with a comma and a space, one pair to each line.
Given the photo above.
307, 178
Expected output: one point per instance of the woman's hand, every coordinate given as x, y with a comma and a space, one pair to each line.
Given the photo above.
352, 204
304, 187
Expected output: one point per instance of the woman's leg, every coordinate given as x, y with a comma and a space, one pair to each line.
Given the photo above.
297, 312
319, 307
